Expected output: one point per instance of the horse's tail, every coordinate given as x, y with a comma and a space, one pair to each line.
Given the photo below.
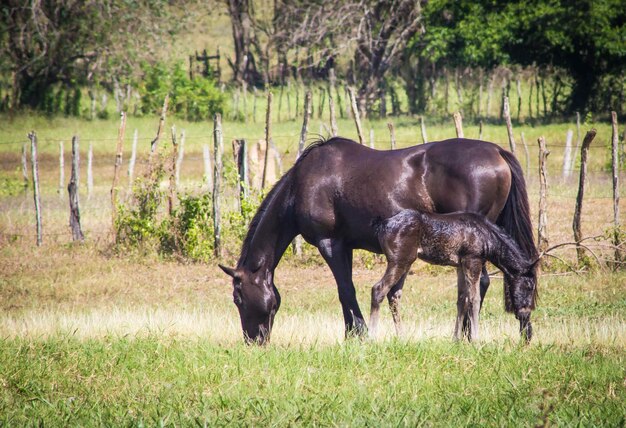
515, 220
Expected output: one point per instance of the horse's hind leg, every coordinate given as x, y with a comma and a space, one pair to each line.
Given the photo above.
393, 276
394, 296
484, 286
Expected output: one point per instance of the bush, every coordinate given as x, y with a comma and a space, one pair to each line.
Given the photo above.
193, 100
190, 232
138, 225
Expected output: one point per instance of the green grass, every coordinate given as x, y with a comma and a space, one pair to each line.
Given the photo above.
151, 381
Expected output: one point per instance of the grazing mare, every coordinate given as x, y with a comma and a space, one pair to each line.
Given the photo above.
463, 240
338, 188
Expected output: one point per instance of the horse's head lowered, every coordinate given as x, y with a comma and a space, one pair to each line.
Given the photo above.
523, 289
257, 300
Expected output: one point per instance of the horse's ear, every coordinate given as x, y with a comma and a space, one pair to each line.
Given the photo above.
228, 271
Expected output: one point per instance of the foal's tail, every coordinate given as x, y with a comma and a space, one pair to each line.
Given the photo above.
515, 219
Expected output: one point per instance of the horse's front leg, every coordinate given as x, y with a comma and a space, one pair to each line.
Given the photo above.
394, 275
339, 259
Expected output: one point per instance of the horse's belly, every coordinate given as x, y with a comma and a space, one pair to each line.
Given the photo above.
437, 258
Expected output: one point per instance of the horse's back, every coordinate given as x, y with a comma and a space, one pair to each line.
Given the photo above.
341, 187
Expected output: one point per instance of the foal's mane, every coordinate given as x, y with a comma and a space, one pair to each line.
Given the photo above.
282, 185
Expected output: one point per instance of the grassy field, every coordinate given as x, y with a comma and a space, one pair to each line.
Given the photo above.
91, 335
90, 339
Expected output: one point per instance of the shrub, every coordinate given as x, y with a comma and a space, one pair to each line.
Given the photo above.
191, 229
138, 225
190, 99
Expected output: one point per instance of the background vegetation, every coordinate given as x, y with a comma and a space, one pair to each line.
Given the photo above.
61, 57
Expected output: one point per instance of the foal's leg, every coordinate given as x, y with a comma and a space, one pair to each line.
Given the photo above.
339, 259
469, 298
484, 286
393, 297
462, 301
394, 275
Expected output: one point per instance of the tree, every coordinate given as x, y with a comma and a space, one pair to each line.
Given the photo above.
75, 43
584, 38
244, 37
383, 33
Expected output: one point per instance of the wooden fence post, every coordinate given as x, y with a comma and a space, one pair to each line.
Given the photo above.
25, 165
173, 173
131, 162
581, 192
392, 134
296, 244
37, 196
480, 130
527, 154
240, 155
509, 126
320, 111
355, 114
208, 174
458, 124
72, 189
116, 170
305, 123
578, 141
155, 143
90, 170
615, 171
423, 128
238, 187
218, 145
334, 130
332, 78
288, 99
518, 85
543, 204
280, 103
181, 155
61, 188
567, 155
268, 136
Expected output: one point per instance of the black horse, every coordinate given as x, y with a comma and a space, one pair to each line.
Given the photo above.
338, 188
463, 240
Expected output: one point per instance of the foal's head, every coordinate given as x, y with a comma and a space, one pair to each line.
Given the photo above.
523, 290
257, 300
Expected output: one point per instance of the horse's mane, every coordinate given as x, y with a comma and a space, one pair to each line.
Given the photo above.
281, 185
506, 252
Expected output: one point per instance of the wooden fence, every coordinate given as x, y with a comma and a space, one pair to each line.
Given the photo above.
256, 166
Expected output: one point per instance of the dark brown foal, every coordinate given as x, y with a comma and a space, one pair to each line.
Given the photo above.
463, 240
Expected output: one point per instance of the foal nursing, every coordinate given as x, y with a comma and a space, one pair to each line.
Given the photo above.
463, 240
